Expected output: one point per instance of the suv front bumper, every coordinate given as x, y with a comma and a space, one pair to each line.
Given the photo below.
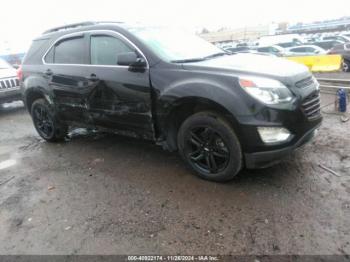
10, 95
269, 158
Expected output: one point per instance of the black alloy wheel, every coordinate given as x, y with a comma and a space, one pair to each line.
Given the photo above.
43, 121
210, 147
207, 150
46, 123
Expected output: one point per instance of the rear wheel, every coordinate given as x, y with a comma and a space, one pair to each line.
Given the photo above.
46, 123
209, 145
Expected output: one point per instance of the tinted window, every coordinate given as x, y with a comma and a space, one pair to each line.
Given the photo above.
298, 50
310, 49
104, 49
70, 51
289, 44
238, 49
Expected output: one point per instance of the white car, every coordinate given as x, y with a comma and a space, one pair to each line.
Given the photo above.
342, 38
9, 84
274, 50
303, 50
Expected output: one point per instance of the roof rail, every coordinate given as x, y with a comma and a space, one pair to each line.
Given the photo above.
71, 26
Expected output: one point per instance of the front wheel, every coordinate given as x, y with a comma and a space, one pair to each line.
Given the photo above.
46, 123
209, 145
346, 66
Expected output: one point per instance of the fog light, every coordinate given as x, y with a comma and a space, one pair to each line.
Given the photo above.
273, 134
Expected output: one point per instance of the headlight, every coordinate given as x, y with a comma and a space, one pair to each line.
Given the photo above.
273, 134
266, 90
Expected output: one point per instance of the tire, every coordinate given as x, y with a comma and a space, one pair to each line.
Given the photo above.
209, 145
346, 66
46, 122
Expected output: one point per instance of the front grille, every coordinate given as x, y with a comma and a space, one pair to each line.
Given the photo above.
305, 82
311, 106
8, 83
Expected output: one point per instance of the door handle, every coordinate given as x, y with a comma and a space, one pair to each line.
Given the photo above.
49, 72
93, 78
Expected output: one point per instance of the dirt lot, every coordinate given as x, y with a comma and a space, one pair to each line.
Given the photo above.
104, 194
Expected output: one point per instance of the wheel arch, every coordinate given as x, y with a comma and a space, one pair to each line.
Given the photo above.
183, 108
32, 94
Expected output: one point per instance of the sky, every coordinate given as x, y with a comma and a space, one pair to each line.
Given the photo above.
26, 19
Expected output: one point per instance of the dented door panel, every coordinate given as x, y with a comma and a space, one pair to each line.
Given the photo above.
121, 99
70, 91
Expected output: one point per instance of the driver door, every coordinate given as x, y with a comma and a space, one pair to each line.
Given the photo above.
121, 98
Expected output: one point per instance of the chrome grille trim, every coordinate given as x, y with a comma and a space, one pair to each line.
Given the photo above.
311, 106
9, 83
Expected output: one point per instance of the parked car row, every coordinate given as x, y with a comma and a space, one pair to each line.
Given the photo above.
295, 45
276, 50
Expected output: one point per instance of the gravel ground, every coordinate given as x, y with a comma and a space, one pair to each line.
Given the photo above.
104, 194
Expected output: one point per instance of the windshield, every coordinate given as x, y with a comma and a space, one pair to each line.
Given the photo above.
4, 64
175, 45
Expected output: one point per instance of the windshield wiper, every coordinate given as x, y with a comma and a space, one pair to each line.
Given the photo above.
198, 59
189, 60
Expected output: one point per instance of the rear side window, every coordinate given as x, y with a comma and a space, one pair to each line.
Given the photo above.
49, 56
104, 49
70, 51
36, 51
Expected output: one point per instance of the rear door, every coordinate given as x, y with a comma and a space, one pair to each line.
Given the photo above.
121, 98
65, 65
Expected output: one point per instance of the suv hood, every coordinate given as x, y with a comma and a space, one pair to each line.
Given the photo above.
249, 64
7, 72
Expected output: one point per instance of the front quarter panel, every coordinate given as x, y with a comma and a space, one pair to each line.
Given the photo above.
172, 85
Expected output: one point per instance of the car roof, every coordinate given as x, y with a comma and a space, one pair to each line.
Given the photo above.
315, 46
53, 34
85, 26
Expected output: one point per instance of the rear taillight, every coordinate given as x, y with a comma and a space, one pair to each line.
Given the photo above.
20, 73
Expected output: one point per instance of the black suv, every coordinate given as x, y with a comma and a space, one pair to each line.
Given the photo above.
344, 51
220, 111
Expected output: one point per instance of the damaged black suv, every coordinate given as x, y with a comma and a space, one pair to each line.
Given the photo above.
220, 111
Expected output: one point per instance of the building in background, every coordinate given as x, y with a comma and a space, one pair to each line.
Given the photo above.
252, 33
248, 33
341, 24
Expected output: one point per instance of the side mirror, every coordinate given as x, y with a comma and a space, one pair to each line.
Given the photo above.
130, 59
